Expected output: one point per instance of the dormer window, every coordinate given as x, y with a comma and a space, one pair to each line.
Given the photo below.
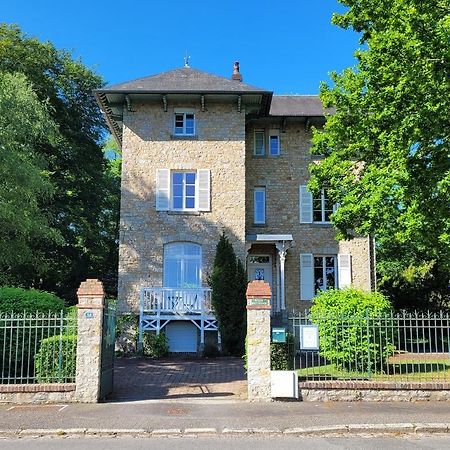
184, 123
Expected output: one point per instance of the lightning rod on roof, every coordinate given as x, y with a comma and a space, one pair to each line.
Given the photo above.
186, 59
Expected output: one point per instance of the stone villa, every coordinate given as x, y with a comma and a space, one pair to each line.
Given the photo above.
202, 155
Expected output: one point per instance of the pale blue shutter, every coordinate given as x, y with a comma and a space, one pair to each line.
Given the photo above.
344, 270
306, 205
306, 276
204, 190
162, 189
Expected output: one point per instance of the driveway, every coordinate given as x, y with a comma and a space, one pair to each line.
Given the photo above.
150, 379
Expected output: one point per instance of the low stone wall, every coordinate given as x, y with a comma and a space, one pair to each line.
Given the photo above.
37, 393
350, 391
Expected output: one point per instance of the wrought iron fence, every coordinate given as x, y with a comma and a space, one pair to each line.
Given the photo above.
401, 346
37, 347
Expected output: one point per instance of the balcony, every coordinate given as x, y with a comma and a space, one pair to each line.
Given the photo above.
176, 301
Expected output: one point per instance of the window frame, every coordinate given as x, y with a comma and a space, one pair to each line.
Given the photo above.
323, 199
184, 196
259, 189
183, 258
183, 113
263, 150
324, 267
274, 133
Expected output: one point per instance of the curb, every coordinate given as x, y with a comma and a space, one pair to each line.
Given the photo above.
350, 429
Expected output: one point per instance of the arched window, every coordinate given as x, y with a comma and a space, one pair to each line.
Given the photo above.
182, 265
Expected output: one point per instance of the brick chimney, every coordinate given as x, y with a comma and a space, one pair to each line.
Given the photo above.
236, 75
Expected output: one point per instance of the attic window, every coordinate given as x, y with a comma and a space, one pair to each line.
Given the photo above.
184, 124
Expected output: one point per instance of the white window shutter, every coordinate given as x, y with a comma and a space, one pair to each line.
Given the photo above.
162, 189
306, 276
345, 270
204, 190
306, 205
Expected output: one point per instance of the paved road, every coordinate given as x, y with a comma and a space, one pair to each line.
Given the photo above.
218, 414
263, 443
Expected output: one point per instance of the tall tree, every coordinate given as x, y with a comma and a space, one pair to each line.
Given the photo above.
76, 166
24, 181
386, 149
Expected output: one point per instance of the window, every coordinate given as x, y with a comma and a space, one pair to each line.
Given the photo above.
259, 200
259, 143
182, 265
321, 272
178, 190
183, 190
184, 124
274, 143
324, 273
322, 208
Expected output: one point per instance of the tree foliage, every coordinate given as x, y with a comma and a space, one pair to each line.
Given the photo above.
24, 181
83, 207
386, 149
229, 282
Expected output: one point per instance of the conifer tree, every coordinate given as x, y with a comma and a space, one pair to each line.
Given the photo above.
228, 282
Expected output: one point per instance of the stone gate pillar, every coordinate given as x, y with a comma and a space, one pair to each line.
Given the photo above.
258, 341
91, 298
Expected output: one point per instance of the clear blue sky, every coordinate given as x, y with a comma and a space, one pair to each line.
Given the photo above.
285, 46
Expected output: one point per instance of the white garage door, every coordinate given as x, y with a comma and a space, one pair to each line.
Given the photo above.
182, 336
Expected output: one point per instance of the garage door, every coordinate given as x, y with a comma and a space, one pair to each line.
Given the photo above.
182, 336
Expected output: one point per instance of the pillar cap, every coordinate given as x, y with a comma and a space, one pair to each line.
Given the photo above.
91, 286
258, 288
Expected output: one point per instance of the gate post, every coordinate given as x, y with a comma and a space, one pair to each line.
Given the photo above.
91, 299
258, 341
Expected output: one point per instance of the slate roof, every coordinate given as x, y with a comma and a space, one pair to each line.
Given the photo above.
297, 106
183, 80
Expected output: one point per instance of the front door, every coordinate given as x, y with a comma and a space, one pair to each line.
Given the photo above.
260, 268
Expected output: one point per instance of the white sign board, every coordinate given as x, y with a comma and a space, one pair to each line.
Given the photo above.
309, 337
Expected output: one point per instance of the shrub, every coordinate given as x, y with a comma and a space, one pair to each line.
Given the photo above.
353, 328
56, 359
155, 346
14, 299
282, 354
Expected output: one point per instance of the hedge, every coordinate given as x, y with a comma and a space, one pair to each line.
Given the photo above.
14, 299
55, 361
346, 339
282, 354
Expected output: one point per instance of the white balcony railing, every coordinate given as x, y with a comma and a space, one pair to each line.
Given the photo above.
176, 300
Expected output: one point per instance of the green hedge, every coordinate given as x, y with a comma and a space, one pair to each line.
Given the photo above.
351, 336
55, 361
14, 299
282, 354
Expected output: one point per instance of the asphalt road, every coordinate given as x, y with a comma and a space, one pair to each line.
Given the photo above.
212, 443
157, 415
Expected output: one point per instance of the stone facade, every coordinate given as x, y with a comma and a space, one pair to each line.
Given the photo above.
148, 145
223, 143
282, 176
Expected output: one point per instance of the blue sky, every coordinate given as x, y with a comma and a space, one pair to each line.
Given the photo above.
286, 46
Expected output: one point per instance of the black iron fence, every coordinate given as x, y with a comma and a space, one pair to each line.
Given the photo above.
396, 347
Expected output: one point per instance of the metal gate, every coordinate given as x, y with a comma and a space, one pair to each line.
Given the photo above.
107, 355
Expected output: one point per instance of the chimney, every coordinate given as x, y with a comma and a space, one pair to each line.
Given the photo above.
236, 75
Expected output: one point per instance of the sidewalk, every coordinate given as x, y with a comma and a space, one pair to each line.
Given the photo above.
222, 416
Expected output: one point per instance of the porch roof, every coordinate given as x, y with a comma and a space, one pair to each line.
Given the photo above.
268, 237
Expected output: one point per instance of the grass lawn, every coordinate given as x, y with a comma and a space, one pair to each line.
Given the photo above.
407, 370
